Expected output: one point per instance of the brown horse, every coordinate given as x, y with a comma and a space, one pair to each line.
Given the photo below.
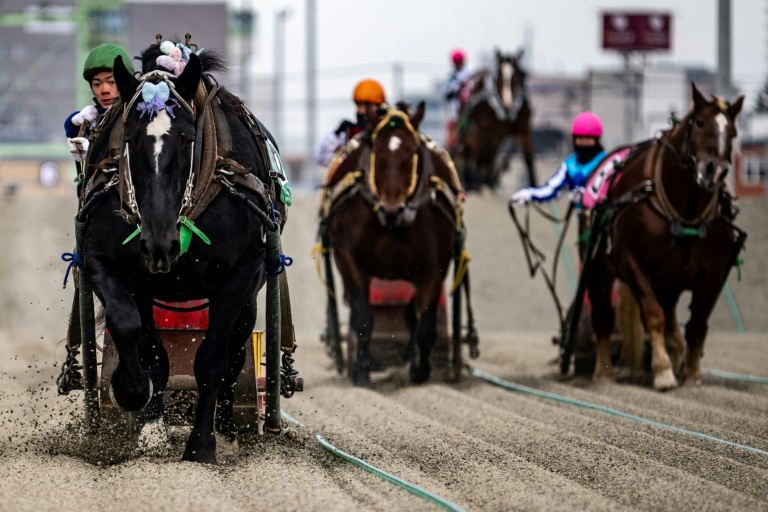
498, 107
393, 211
669, 229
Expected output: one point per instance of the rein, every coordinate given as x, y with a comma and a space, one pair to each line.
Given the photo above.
660, 200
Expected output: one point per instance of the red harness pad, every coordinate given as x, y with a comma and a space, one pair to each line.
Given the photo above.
393, 293
165, 319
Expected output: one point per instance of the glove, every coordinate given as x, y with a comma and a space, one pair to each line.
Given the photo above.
78, 146
343, 127
577, 194
520, 198
89, 113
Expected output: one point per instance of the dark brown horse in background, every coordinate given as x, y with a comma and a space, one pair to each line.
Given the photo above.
498, 107
397, 218
670, 229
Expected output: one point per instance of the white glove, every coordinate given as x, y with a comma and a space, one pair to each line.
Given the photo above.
78, 146
521, 198
89, 113
577, 194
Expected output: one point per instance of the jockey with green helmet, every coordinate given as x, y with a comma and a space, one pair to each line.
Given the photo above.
97, 71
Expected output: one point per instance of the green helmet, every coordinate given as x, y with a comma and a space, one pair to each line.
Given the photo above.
102, 58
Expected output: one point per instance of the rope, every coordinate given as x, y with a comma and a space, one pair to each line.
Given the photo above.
572, 401
734, 376
317, 253
277, 267
74, 261
412, 488
461, 270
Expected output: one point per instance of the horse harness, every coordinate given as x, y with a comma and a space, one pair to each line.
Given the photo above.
490, 95
212, 166
423, 189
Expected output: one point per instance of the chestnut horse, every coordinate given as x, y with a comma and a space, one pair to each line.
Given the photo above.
669, 229
498, 107
393, 211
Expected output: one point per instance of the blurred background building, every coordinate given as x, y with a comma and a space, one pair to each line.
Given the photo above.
43, 44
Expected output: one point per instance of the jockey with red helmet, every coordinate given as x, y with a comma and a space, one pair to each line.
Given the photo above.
368, 97
575, 170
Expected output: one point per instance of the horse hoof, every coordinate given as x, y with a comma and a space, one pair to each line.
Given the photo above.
153, 439
226, 447
419, 374
362, 379
664, 380
130, 403
200, 456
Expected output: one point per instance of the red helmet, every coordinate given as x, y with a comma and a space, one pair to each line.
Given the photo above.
587, 124
457, 56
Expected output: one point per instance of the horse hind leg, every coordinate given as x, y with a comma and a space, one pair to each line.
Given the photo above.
631, 328
603, 318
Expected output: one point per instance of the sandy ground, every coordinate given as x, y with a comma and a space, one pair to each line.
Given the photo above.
479, 446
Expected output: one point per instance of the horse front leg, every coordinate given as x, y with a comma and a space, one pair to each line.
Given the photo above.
130, 387
361, 326
426, 333
225, 422
526, 143
702, 303
655, 324
153, 357
674, 341
212, 360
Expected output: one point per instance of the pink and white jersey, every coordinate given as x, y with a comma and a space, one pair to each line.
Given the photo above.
597, 185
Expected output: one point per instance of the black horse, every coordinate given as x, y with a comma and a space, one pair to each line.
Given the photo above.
157, 156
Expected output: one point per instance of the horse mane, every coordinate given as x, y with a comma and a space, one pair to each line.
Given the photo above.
210, 59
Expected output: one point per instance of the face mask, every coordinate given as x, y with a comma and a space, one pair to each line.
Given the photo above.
586, 153
362, 120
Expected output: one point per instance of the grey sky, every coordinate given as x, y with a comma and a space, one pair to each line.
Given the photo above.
565, 35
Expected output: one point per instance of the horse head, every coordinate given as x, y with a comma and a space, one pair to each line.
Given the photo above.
394, 163
710, 132
158, 153
510, 77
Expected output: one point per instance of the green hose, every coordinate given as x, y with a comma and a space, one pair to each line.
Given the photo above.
412, 488
572, 401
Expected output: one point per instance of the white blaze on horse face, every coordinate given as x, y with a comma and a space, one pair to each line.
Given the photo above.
159, 126
722, 125
394, 143
506, 88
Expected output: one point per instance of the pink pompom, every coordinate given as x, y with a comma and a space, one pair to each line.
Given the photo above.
180, 67
175, 54
166, 62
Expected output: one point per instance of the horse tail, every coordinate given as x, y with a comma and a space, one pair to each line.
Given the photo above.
631, 329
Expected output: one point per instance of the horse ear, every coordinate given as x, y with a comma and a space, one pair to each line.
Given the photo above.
125, 81
418, 116
699, 101
735, 107
519, 54
189, 79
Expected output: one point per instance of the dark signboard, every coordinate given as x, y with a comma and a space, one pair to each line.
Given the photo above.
637, 31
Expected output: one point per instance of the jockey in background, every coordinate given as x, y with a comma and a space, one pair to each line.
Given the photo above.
368, 97
452, 91
97, 71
